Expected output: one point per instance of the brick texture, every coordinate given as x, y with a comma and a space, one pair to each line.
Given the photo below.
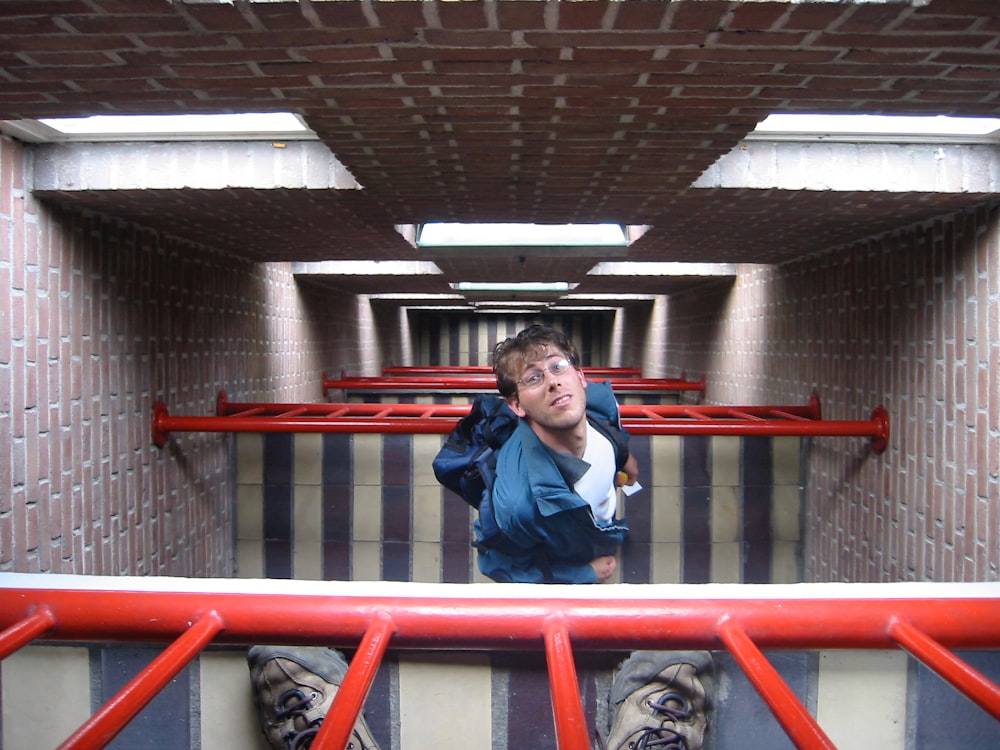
102, 320
910, 321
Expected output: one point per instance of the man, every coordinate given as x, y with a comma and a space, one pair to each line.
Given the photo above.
554, 499
554, 503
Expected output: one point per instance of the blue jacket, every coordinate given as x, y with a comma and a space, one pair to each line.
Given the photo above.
532, 527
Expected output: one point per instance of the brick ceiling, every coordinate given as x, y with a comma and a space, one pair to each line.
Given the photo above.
514, 110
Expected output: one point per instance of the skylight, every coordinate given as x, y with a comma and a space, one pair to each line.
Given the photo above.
243, 126
513, 286
518, 235
892, 128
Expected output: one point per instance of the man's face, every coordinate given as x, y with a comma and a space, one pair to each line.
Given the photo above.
558, 401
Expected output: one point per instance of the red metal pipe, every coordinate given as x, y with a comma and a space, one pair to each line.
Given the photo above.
458, 621
25, 631
430, 384
567, 707
350, 699
437, 370
224, 407
102, 727
974, 684
794, 718
877, 429
497, 623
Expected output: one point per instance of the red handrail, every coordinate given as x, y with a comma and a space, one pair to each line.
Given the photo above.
466, 383
927, 620
665, 419
437, 370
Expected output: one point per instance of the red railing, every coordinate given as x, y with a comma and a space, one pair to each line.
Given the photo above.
664, 419
928, 621
439, 370
467, 383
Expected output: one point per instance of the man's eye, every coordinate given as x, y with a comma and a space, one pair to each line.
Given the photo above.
533, 378
559, 367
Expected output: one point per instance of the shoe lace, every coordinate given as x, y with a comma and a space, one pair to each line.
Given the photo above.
669, 708
294, 705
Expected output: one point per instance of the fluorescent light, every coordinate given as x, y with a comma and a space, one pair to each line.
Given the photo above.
249, 125
881, 127
447, 234
513, 286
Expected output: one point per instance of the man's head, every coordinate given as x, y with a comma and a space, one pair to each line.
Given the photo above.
511, 356
538, 371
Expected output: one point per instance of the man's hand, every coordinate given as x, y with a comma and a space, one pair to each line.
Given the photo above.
604, 567
629, 473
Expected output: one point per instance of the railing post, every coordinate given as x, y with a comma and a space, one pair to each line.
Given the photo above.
567, 707
25, 631
102, 727
350, 699
978, 688
800, 726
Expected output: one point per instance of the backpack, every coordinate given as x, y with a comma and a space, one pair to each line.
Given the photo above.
467, 460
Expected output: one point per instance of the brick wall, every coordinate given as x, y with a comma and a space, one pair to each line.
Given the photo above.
103, 319
911, 321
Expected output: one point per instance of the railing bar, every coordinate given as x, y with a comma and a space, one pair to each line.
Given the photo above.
797, 722
567, 706
781, 414
103, 726
21, 633
976, 686
336, 730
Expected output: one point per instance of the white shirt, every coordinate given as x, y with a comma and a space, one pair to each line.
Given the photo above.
597, 485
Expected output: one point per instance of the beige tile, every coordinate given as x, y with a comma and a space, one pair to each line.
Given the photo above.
785, 566
226, 692
785, 460
666, 514
366, 561
425, 447
427, 514
367, 506
249, 511
367, 457
786, 521
665, 457
308, 458
870, 688
249, 558
426, 562
250, 458
726, 452
727, 562
666, 563
307, 510
443, 697
307, 561
726, 514
45, 696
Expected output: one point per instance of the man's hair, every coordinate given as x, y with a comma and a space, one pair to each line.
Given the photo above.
510, 355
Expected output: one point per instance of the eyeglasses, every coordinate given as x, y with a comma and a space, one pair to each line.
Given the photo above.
536, 377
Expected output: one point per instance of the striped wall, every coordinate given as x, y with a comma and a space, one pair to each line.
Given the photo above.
367, 507
460, 339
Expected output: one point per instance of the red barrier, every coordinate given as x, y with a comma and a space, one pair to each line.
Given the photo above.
741, 619
438, 370
477, 383
666, 419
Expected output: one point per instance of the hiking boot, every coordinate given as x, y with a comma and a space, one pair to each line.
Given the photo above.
660, 699
294, 687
